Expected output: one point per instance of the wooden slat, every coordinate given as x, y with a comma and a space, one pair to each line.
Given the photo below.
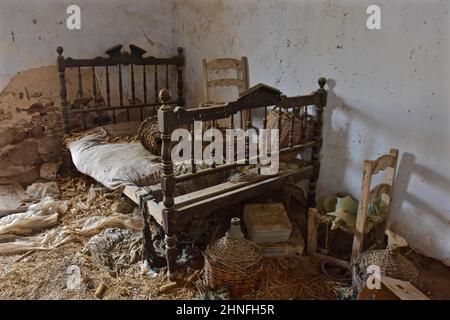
101, 62
133, 192
226, 83
212, 191
361, 217
313, 226
211, 203
383, 162
308, 100
116, 107
229, 166
336, 261
224, 63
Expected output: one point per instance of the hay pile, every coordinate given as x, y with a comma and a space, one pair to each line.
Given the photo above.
286, 278
44, 274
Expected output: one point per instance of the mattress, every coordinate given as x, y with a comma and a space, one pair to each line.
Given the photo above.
115, 164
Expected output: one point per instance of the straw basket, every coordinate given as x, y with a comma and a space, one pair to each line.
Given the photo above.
233, 261
302, 130
392, 264
149, 135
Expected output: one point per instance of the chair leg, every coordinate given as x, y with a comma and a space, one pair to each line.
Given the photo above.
171, 255
313, 225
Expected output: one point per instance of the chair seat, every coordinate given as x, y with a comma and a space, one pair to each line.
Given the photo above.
370, 225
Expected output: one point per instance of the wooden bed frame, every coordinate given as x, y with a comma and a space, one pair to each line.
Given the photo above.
172, 212
114, 62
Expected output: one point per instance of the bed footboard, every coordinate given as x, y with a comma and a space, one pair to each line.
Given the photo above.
174, 211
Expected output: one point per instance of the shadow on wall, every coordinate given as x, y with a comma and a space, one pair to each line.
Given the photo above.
407, 168
421, 224
334, 151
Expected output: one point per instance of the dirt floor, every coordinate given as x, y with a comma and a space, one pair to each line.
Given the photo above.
45, 274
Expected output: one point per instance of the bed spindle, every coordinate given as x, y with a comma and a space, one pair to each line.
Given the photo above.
80, 84
265, 118
94, 85
315, 158
193, 166
280, 114
120, 86
156, 84
108, 94
133, 92
166, 126
304, 123
291, 130
144, 82
247, 136
180, 100
133, 89
83, 116
213, 152
62, 89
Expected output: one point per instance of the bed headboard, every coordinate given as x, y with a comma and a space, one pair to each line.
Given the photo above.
141, 77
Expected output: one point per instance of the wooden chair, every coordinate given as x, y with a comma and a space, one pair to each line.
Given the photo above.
242, 81
383, 191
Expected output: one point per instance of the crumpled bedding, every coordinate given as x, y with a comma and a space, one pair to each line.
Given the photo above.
115, 164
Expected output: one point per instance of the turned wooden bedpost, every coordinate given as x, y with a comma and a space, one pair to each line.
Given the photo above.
322, 93
62, 89
180, 99
166, 126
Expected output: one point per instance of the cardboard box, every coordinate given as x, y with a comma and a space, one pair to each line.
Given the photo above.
267, 223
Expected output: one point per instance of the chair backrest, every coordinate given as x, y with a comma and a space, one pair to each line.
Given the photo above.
388, 164
241, 81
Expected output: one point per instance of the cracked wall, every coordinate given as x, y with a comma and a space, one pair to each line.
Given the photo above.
387, 88
30, 31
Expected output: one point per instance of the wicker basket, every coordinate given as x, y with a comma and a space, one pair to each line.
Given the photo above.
300, 134
233, 261
392, 264
149, 135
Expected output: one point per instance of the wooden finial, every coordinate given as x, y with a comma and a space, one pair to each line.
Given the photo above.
114, 51
165, 95
136, 51
322, 81
180, 50
60, 50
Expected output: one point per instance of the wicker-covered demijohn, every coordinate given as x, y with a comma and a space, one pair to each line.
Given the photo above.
150, 136
233, 261
390, 261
